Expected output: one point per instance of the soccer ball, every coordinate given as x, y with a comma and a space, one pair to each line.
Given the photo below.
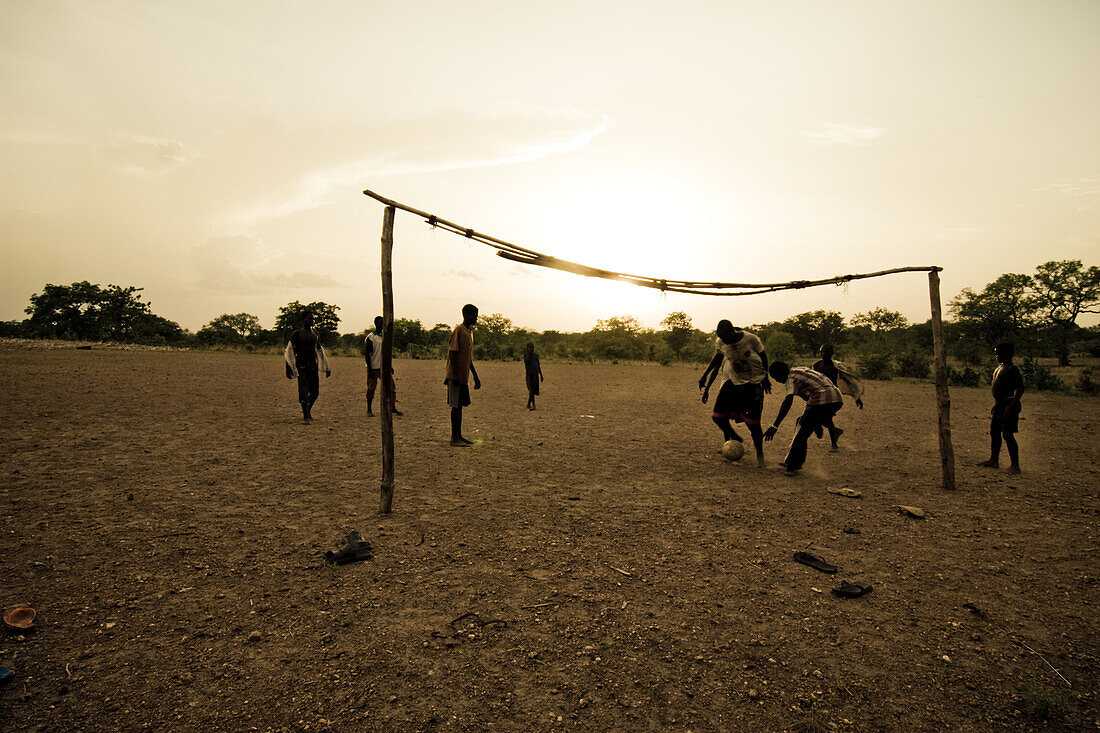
732, 450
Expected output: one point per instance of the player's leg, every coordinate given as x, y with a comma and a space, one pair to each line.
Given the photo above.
796, 454
994, 445
314, 390
303, 394
456, 428
754, 396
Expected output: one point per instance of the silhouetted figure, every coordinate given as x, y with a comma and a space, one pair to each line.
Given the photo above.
532, 374
373, 353
744, 365
460, 365
822, 398
1004, 419
305, 358
844, 380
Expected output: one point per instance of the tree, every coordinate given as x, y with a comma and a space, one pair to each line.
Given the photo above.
881, 322
1062, 291
780, 346
678, 331
814, 328
325, 320
1003, 310
93, 313
492, 336
231, 328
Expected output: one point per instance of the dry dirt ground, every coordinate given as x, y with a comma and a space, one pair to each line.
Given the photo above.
590, 566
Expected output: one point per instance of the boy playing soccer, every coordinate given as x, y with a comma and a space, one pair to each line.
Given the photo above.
744, 365
823, 400
844, 380
532, 373
1004, 420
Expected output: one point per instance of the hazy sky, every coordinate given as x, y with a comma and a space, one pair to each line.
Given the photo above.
214, 152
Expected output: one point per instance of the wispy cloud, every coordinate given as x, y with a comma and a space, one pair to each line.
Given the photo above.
242, 265
833, 133
508, 134
468, 275
148, 156
1075, 187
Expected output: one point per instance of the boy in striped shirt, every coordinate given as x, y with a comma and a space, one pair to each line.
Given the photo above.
822, 398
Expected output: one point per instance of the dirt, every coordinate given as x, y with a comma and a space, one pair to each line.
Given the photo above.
593, 565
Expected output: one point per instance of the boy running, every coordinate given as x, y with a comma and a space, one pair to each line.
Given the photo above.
744, 364
532, 374
460, 365
1004, 420
844, 380
822, 398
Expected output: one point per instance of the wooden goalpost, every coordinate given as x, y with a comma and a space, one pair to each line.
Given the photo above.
530, 257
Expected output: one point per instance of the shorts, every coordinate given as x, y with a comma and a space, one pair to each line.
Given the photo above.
740, 402
458, 395
533, 383
1004, 419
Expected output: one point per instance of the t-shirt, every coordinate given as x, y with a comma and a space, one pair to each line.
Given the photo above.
531, 363
462, 346
814, 387
304, 342
829, 369
741, 363
375, 340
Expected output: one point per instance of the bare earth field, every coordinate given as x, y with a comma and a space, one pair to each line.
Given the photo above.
593, 565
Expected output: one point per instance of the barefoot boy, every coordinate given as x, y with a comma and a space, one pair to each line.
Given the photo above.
533, 374
373, 353
1004, 421
305, 358
744, 365
844, 380
823, 400
460, 365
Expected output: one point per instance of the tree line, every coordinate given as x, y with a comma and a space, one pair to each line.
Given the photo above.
1038, 312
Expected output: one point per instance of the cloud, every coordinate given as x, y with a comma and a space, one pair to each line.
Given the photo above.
507, 134
832, 133
243, 265
148, 156
1075, 187
470, 275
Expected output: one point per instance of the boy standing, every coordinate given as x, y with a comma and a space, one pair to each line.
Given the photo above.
532, 373
744, 364
844, 380
460, 365
373, 354
305, 357
822, 398
1004, 420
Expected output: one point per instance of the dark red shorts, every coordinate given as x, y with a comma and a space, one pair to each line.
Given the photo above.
740, 402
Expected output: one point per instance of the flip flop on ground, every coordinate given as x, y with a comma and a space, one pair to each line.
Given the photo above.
815, 562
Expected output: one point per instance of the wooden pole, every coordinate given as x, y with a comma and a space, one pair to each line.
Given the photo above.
943, 399
386, 500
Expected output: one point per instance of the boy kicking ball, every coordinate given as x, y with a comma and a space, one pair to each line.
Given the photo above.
1004, 420
823, 400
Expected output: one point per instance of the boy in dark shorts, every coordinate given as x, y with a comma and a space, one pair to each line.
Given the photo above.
532, 374
460, 366
844, 380
740, 356
823, 400
1004, 420
305, 358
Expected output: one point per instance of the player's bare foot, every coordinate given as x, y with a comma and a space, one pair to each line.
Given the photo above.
989, 464
1014, 469
459, 443
397, 412
760, 462
467, 441
370, 414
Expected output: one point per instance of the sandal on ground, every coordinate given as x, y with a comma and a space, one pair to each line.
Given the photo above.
815, 562
354, 549
852, 590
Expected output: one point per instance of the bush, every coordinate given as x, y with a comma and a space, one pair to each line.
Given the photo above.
968, 377
781, 346
914, 364
1085, 383
1040, 376
877, 366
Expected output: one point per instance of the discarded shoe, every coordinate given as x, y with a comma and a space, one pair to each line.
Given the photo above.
815, 562
912, 511
852, 590
850, 493
354, 549
19, 618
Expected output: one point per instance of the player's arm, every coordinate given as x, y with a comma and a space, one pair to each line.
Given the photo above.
369, 351
783, 410
712, 372
477, 381
765, 382
1019, 391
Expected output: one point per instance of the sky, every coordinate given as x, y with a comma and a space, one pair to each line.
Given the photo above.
214, 153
